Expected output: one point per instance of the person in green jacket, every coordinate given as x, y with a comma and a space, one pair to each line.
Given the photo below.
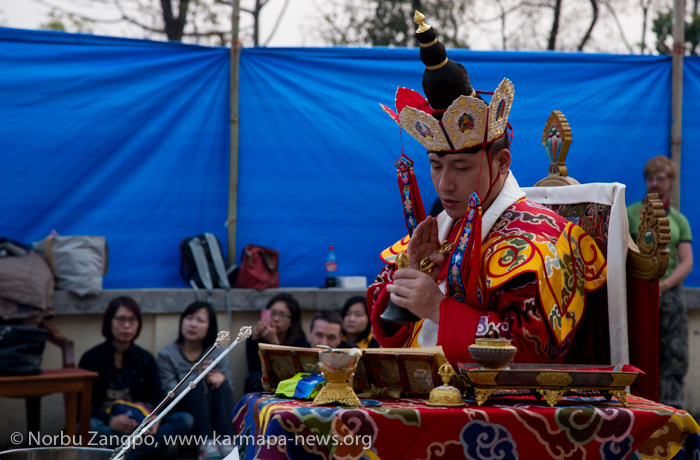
659, 174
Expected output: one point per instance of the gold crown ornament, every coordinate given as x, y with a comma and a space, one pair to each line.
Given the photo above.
467, 123
452, 117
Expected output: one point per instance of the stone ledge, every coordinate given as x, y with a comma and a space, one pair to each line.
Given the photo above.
175, 300
692, 298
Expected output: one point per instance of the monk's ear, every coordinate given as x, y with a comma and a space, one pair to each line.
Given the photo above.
503, 161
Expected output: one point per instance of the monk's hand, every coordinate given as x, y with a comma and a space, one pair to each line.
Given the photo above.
417, 292
423, 245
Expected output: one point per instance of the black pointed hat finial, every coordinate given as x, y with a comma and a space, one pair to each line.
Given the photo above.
444, 80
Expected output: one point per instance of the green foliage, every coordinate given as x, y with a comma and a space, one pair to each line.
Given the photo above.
692, 33
390, 22
663, 29
67, 23
55, 24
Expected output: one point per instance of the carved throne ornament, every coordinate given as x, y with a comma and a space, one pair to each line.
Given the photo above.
556, 139
648, 258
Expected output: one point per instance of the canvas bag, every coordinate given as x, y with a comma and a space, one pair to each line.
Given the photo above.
78, 262
258, 268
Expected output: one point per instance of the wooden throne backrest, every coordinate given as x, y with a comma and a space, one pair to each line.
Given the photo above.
644, 262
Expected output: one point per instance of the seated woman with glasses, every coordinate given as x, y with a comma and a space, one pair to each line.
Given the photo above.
128, 385
211, 401
281, 326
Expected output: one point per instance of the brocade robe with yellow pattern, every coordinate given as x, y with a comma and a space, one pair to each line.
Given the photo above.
537, 270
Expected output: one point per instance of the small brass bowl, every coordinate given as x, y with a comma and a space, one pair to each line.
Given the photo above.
492, 353
493, 343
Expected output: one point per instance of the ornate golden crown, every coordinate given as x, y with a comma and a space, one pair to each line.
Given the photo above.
468, 122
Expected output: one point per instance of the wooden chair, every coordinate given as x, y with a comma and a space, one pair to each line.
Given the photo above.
626, 319
33, 403
69, 380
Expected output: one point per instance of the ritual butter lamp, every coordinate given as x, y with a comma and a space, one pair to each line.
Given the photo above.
445, 395
338, 366
492, 353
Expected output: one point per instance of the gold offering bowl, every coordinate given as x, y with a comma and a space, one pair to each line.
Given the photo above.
492, 353
337, 366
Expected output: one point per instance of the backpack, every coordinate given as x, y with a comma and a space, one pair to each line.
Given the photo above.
202, 266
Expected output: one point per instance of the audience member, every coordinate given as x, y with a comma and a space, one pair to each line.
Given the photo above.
659, 174
211, 401
356, 325
282, 328
326, 330
128, 385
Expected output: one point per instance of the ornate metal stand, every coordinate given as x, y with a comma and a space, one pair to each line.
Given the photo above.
548, 384
337, 389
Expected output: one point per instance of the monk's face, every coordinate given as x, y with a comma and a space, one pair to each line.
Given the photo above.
457, 175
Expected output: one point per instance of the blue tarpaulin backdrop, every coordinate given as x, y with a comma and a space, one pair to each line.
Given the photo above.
129, 139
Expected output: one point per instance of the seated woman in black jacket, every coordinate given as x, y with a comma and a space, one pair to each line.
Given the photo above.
128, 384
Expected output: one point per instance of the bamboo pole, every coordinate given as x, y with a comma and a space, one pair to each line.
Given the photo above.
232, 219
677, 94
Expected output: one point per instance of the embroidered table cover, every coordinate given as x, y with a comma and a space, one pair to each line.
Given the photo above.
268, 427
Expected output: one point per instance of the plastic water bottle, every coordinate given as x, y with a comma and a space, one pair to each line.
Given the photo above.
331, 268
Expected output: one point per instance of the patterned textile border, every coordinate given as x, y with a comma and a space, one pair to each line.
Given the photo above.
593, 218
267, 427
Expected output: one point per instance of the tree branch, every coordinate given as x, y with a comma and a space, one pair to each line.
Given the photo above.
277, 22
587, 36
510, 10
167, 11
130, 20
619, 27
77, 15
182, 15
206, 34
143, 26
555, 26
